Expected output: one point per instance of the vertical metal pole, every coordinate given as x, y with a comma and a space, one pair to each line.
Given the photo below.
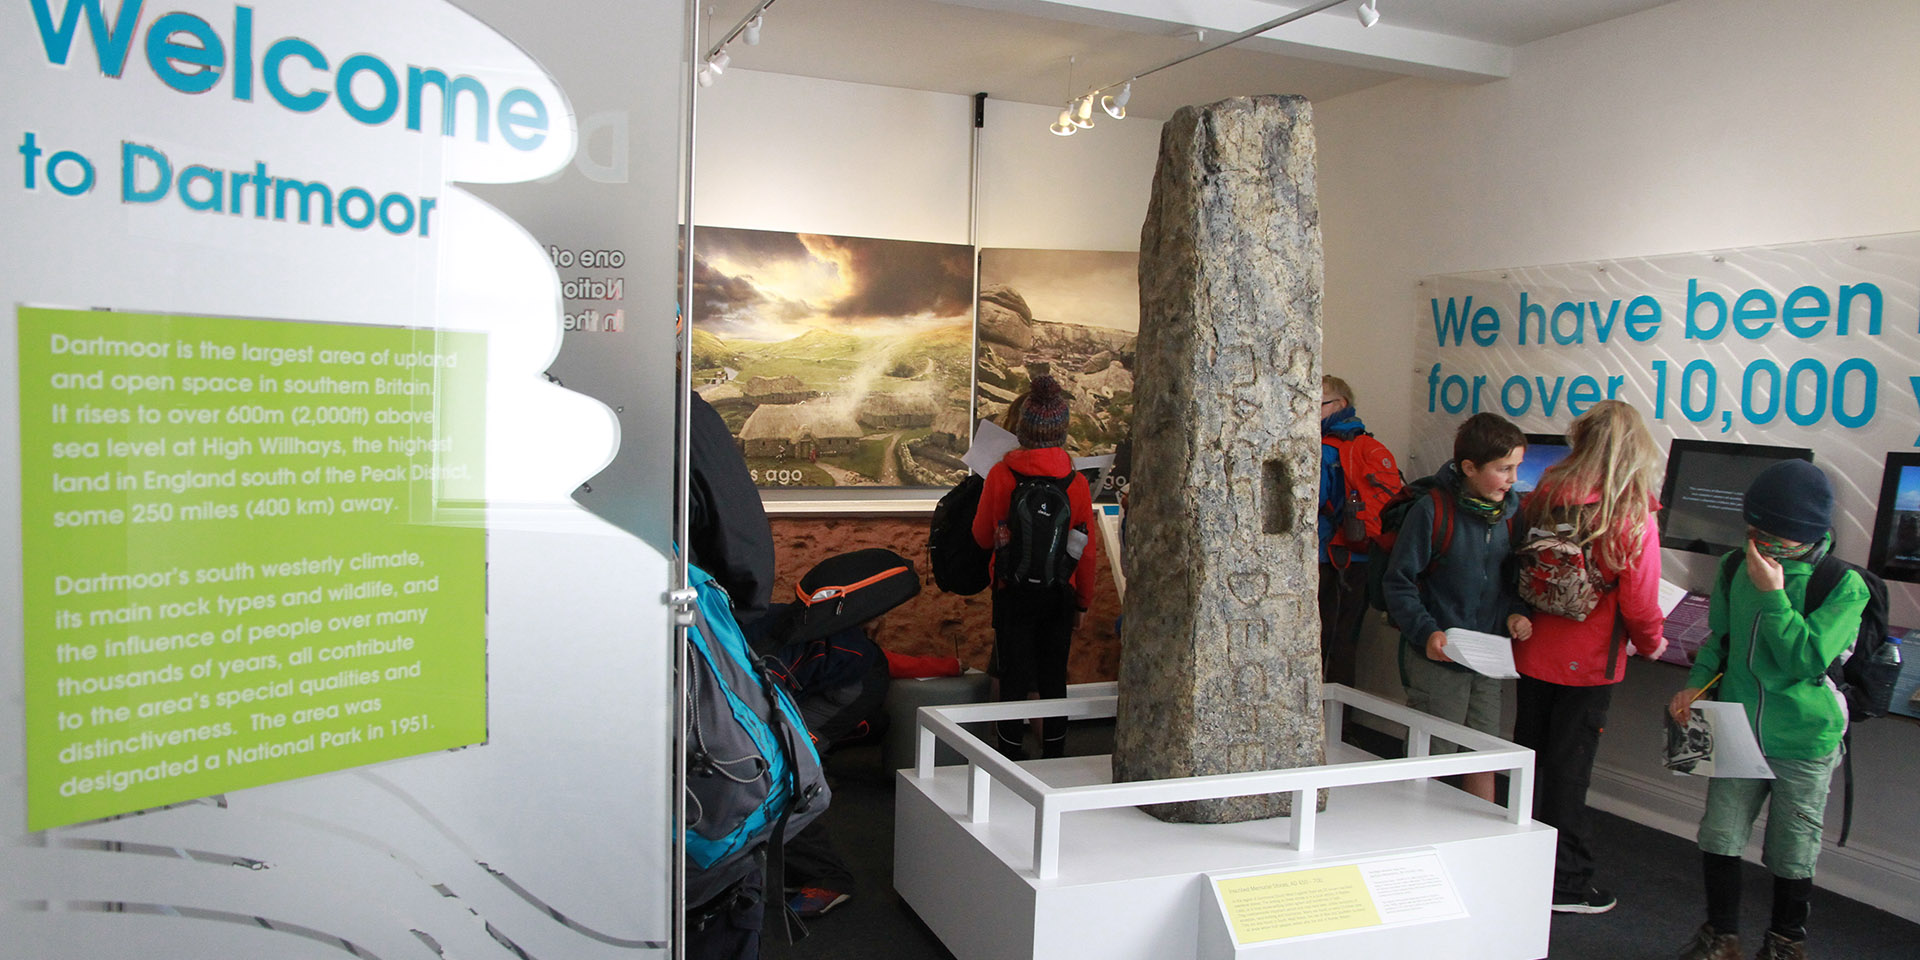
973, 240
1334, 714
683, 374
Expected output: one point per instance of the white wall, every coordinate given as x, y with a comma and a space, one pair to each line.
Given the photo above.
778, 152
1702, 124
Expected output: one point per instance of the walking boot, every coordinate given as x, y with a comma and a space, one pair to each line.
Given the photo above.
1710, 944
1776, 947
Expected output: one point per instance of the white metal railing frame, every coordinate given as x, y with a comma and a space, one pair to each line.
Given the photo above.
1481, 753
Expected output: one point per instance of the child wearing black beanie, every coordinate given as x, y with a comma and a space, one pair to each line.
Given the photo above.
1767, 649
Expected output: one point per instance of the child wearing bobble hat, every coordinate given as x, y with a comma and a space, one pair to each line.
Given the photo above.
1769, 653
1035, 513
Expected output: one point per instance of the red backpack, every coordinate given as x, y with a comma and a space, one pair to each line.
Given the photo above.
1372, 479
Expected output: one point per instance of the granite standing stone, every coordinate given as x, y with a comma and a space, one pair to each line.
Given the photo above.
1220, 651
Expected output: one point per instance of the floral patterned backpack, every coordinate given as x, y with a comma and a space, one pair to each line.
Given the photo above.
1555, 574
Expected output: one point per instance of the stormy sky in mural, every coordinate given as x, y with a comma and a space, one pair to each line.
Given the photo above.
767, 285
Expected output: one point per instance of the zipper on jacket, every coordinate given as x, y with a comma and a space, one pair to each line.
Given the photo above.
1483, 576
1760, 689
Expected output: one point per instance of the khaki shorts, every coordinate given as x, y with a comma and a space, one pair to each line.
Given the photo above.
1796, 802
1460, 696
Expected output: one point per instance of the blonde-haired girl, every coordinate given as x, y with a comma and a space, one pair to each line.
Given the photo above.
1604, 490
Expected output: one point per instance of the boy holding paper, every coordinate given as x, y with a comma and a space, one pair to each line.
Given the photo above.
1771, 655
1445, 572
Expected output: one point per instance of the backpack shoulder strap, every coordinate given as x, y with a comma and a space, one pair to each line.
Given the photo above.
1442, 523
1826, 575
1722, 582
1729, 564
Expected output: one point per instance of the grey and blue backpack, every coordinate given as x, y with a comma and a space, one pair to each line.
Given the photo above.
753, 776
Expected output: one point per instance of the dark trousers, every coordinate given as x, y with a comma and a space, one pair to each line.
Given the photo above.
1032, 633
1562, 726
812, 860
727, 927
1343, 607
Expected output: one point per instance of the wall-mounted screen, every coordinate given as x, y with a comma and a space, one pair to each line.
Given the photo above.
1706, 479
1906, 690
1896, 525
1543, 451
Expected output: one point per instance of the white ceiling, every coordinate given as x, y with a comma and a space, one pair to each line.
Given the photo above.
1018, 49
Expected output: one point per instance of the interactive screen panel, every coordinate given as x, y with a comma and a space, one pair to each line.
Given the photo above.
1543, 451
1896, 525
1706, 479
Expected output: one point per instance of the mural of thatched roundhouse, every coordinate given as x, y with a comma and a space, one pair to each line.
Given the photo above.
898, 410
952, 429
776, 390
799, 430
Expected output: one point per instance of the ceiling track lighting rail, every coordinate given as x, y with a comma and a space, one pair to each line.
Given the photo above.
1079, 110
747, 31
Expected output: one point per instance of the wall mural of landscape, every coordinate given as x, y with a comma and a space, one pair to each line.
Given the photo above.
836, 361
1074, 314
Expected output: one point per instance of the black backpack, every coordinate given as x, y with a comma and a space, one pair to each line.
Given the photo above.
839, 682
1039, 526
1861, 676
959, 564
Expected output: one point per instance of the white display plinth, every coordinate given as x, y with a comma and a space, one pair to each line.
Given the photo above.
994, 879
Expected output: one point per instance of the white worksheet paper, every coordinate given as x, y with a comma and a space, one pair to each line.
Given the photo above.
990, 442
1734, 751
1482, 653
1670, 596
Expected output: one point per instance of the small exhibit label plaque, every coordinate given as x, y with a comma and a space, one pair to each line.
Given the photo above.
1324, 899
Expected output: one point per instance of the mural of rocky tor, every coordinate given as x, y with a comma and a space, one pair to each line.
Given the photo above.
1077, 313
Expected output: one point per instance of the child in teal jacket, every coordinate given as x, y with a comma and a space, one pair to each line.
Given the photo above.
1771, 654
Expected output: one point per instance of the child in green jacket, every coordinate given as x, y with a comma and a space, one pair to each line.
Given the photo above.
1771, 654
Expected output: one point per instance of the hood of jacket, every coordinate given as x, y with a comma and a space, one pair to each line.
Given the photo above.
1344, 425
1040, 462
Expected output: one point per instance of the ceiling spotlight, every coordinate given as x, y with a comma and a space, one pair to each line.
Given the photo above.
1083, 112
705, 76
1064, 127
720, 62
1116, 107
1369, 13
751, 32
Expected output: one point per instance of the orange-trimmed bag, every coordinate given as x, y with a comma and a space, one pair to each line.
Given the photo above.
848, 590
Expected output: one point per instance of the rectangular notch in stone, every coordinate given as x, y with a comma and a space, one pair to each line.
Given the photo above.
1276, 498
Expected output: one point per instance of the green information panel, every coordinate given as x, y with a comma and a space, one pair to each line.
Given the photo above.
253, 551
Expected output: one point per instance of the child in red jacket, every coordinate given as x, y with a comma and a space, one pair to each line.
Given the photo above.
1035, 514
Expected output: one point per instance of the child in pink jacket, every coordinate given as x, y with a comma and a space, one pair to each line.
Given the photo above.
1603, 490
